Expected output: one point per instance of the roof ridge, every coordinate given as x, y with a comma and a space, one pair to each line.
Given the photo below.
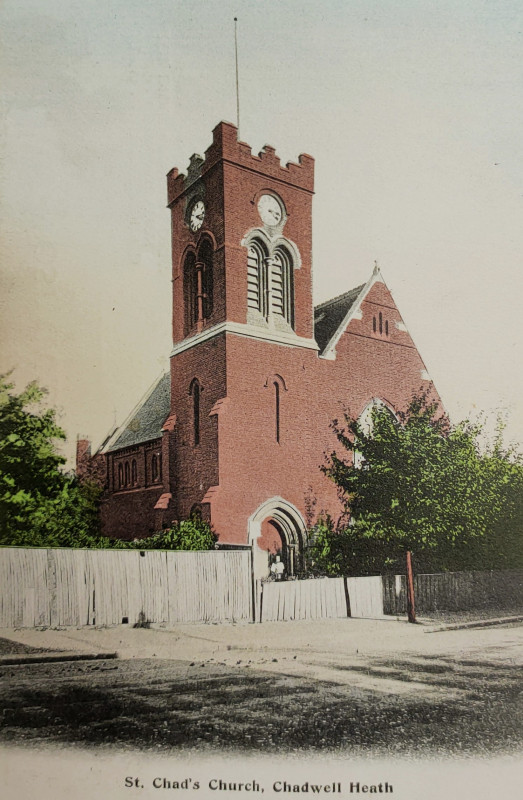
356, 289
111, 442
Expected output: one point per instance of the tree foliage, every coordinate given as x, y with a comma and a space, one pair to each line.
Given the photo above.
423, 485
189, 534
43, 506
40, 504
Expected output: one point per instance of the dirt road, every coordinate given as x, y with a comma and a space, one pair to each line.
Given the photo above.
354, 686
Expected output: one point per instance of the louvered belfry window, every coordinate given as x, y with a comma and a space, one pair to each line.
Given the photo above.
281, 285
269, 282
256, 284
205, 256
190, 291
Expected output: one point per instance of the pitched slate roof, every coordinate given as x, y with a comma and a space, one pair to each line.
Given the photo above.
329, 315
146, 420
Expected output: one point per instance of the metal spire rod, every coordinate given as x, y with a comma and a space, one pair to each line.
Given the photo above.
237, 81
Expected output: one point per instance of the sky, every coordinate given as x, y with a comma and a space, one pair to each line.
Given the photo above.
412, 109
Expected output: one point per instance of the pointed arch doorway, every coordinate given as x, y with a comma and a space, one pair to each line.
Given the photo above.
277, 528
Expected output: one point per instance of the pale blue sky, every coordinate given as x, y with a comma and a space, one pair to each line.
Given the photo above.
413, 111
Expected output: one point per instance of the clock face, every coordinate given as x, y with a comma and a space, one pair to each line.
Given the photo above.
270, 210
197, 215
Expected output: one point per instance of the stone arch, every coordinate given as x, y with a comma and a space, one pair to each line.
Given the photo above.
289, 523
365, 418
271, 263
275, 378
365, 421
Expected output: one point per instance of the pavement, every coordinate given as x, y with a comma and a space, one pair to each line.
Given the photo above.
305, 647
50, 656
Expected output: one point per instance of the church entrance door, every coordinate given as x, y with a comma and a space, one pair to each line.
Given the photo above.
277, 531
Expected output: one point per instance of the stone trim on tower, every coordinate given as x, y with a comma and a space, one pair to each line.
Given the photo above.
226, 147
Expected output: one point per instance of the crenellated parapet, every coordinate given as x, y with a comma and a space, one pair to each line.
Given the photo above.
226, 147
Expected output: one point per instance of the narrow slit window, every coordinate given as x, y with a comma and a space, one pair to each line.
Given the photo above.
134, 472
196, 411
120, 476
277, 410
127, 474
386, 327
154, 468
374, 324
381, 323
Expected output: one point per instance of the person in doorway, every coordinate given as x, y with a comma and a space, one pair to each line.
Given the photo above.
277, 569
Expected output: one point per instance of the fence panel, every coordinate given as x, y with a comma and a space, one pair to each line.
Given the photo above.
24, 594
366, 596
68, 587
455, 591
209, 587
318, 598
106, 587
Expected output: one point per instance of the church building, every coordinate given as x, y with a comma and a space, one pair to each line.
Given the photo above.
240, 426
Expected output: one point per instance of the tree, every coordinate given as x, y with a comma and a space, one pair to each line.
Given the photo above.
423, 485
40, 504
189, 534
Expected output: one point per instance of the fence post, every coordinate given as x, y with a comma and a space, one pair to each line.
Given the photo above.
347, 596
52, 589
411, 611
253, 585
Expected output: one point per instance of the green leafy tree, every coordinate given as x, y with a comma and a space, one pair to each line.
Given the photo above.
189, 534
423, 485
40, 504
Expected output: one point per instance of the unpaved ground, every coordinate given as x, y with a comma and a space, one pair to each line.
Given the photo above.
350, 686
10, 647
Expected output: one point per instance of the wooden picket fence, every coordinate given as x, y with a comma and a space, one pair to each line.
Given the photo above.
455, 591
319, 598
62, 587
59, 587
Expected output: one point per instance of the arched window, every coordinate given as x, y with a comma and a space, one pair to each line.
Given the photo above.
120, 476
195, 392
190, 291
277, 409
154, 468
374, 324
127, 473
281, 285
366, 424
270, 287
257, 278
381, 323
365, 418
205, 258
134, 472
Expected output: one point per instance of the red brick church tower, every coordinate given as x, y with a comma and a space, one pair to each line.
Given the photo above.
241, 428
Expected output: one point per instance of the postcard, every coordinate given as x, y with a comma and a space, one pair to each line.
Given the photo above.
224, 227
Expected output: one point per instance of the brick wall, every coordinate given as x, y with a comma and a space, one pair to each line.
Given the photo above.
241, 460
196, 466
230, 184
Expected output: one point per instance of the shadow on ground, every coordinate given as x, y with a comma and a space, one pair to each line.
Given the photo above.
9, 647
169, 705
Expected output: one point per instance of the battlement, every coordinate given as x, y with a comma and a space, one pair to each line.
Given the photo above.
226, 147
